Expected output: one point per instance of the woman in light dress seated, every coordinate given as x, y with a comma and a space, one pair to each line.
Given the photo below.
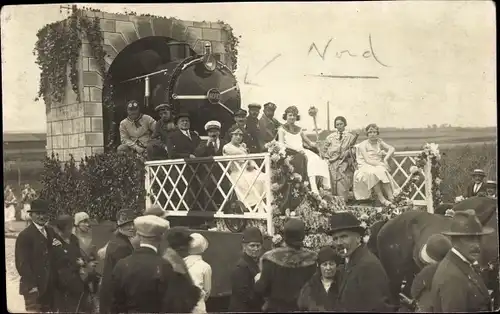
248, 182
372, 156
292, 137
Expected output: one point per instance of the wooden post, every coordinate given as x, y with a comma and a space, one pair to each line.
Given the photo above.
269, 196
428, 186
147, 187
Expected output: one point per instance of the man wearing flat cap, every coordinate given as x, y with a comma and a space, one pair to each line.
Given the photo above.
119, 247
268, 125
253, 123
457, 285
158, 145
33, 255
243, 296
142, 281
135, 130
364, 274
240, 118
478, 185
286, 269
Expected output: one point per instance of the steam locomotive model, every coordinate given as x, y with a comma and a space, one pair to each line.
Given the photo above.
156, 70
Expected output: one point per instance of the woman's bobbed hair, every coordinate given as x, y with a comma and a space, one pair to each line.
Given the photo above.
372, 126
293, 110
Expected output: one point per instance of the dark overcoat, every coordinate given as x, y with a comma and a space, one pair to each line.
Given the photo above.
34, 263
421, 288
180, 146
158, 144
470, 190
118, 248
243, 296
268, 129
285, 270
456, 287
364, 277
313, 296
71, 293
140, 283
253, 132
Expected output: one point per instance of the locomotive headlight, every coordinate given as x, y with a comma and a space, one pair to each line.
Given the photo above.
208, 59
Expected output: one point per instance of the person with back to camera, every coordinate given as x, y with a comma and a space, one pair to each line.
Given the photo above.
135, 130
199, 270
373, 155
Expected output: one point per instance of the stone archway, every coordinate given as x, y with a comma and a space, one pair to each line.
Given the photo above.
76, 127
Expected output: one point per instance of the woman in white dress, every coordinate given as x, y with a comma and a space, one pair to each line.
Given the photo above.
28, 195
9, 207
250, 186
373, 156
293, 138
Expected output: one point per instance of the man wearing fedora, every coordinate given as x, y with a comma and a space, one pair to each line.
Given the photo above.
158, 145
141, 281
457, 285
285, 270
268, 125
433, 252
477, 186
243, 297
135, 130
119, 247
364, 275
33, 252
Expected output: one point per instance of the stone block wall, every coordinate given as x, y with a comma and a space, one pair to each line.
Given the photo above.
76, 127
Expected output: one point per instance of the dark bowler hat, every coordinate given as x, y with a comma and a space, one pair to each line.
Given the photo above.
479, 172
125, 216
270, 105
254, 105
133, 105
163, 107
345, 221
252, 234
326, 254
294, 232
240, 113
39, 206
182, 114
178, 236
436, 248
466, 223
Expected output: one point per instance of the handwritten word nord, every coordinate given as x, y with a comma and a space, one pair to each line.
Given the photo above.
367, 54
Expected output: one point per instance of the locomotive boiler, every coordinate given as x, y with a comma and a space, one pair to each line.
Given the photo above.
156, 70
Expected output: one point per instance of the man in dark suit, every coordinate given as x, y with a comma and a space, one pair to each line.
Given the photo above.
33, 260
268, 125
119, 247
213, 147
253, 125
364, 275
183, 143
477, 186
141, 281
457, 285
157, 146
243, 296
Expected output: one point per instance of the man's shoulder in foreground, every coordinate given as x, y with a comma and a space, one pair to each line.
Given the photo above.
291, 258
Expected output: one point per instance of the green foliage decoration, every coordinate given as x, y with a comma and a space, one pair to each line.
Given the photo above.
58, 47
231, 45
99, 185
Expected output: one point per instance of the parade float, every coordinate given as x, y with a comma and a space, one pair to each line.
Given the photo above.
85, 91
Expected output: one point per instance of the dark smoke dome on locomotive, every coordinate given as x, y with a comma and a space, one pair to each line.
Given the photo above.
187, 81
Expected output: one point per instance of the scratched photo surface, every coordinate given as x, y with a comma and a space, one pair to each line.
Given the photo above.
424, 71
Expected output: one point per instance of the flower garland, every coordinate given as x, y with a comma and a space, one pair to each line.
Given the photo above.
231, 45
432, 151
64, 40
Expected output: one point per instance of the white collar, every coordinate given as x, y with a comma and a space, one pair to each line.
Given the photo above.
152, 247
461, 256
39, 227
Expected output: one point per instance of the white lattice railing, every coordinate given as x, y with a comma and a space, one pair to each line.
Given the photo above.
209, 187
400, 171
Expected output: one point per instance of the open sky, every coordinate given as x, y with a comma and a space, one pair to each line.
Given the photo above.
428, 62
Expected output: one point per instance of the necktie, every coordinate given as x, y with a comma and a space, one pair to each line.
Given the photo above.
340, 137
187, 134
42, 230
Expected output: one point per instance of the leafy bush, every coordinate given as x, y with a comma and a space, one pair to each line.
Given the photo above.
99, 185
